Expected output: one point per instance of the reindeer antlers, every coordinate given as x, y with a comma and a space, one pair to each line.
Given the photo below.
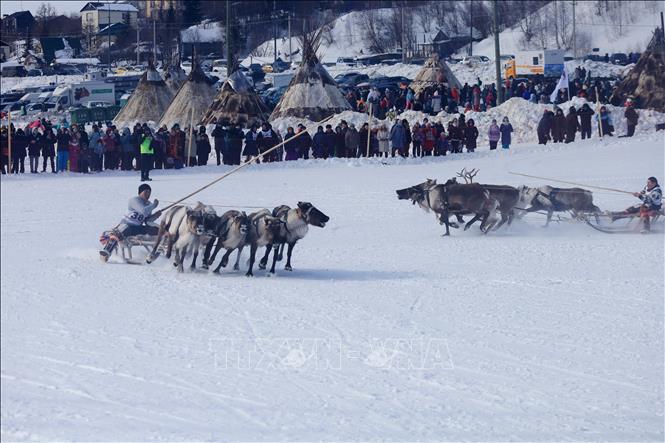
468, 175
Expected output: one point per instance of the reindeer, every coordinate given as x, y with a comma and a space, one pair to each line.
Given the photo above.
183, 228
507, 196
210, 220
264, 229
294, 227
576, 200
230, 233
453, 198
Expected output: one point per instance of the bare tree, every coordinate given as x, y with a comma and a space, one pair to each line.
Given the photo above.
44, 12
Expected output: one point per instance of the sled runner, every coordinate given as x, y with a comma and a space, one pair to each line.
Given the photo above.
125, 245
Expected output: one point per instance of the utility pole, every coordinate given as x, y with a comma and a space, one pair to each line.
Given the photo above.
108, 29
138, 37
497, 54
401, 9
574, 34
471, 30
228, 39
154, 41
290, 50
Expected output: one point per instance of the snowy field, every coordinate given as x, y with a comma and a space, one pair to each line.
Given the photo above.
383, 331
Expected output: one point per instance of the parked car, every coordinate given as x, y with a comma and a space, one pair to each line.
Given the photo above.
346, 62
594, 58
98, 104
619, 58
35, 73
280, 65
382, 83
271, 96
474, 59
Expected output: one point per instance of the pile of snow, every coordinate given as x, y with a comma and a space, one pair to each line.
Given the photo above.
628, 27
15, 83
66, 52
523, 115
205, 32
383, 331
78, 61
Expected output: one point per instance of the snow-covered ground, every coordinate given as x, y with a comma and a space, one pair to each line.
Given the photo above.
383, 331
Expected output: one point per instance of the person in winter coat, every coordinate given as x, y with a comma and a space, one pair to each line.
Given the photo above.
202, 147
605, 122
429, 139
318, 143
631, 118
470, 135
351, 140
161, 144
493, 134
34, 147
4, 149
127, 149
363, 136
234, 140
572, 125
506, 130
340, 143
48, 149
397, 137
652, 202
442, 145
545, 127
454, 136
585, 115
219, 136
74, 149
304, 142
19, 148
332, 141
417, 136
383, 136
266, 139
96, 148
251, 148
110, 149
63, 149
291, 146
146, 155
558, 126
408, 138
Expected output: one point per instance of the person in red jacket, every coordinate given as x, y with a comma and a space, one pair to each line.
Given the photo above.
429, 139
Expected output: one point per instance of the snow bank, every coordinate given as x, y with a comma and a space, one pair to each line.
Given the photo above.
523, 115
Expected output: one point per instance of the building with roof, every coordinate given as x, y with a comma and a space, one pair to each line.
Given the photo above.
17, 25
98, 15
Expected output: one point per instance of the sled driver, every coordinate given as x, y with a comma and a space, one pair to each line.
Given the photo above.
135, 221
652, 201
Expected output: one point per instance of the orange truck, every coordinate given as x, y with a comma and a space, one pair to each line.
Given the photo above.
546, 62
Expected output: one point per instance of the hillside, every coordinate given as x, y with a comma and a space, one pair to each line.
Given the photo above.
627, 27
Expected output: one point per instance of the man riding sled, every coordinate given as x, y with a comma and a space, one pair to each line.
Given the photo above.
135, 222
652, 200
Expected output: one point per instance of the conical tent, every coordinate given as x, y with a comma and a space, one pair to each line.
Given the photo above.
174, 76
312, 92
434, 73
148, 102
236, 102
191, 101
645, 82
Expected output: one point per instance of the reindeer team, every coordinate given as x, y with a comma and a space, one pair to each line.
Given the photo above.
183, 231
484, 201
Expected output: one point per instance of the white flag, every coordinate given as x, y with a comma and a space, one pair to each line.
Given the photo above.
563, 83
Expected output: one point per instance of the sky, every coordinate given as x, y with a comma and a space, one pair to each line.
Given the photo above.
61, 6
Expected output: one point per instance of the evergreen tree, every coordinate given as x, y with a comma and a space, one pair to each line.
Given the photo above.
192, 12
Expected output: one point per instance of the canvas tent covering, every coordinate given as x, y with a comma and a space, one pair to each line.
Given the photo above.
645, 82
434, 73
174, 77
237, 102
192, 100
148, 102
312, 93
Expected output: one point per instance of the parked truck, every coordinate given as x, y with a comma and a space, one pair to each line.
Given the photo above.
79, 94
546, 62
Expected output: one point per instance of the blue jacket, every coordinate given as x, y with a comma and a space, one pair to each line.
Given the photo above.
397, 136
